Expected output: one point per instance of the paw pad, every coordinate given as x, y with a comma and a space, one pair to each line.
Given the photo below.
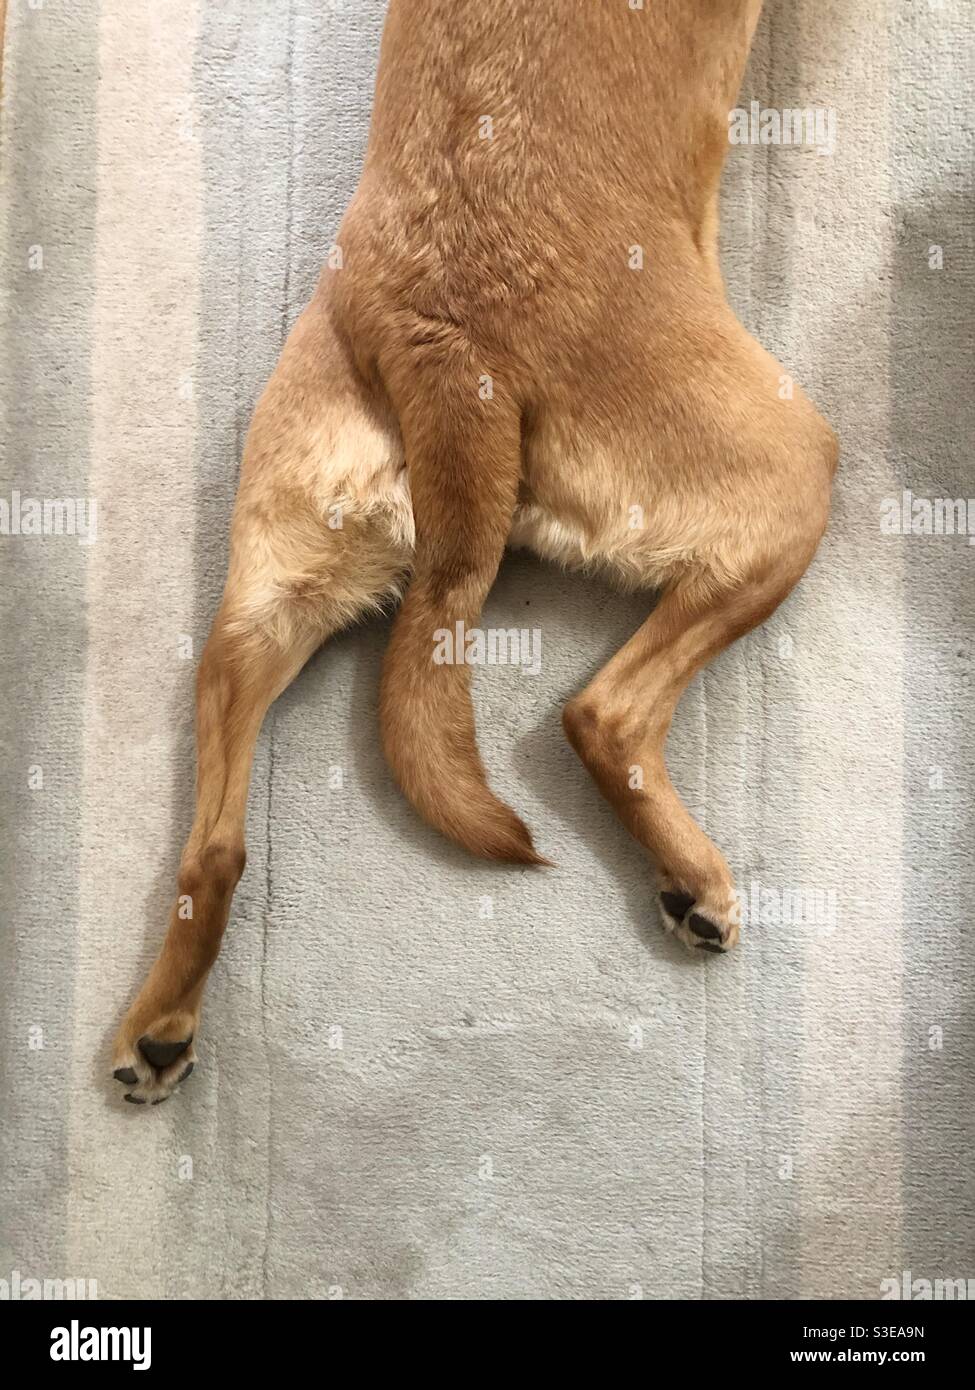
677, 904
153, 1065
694, 928
162, 1054
703, 927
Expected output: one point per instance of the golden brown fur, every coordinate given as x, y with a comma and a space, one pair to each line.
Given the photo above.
527, 342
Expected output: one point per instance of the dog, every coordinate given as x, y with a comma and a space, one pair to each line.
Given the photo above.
521, 338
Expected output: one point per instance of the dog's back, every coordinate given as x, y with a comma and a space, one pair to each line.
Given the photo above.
519, 148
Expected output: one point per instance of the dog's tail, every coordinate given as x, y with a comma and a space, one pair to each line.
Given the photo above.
463, 454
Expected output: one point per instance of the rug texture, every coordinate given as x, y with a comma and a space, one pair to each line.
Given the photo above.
421, 1077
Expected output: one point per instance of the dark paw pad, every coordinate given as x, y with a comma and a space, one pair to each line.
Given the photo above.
162, 1054
703, 928
710, 946
677, 904
135, 1100
126, 1075
182, 1077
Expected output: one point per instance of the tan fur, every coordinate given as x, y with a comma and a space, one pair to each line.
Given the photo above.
486, 368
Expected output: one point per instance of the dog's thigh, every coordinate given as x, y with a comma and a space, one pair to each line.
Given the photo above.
323, 523
651, 475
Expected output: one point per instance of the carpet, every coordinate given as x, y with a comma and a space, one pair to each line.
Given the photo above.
422, 1077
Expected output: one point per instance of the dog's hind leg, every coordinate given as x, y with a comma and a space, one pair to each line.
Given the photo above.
618, 725
321, 534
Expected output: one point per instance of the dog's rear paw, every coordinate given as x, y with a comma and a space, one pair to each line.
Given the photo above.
699, 924
153, 1064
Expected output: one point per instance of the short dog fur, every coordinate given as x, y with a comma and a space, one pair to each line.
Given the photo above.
484, 364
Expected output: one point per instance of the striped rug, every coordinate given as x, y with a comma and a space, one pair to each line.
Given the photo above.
422, 1077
